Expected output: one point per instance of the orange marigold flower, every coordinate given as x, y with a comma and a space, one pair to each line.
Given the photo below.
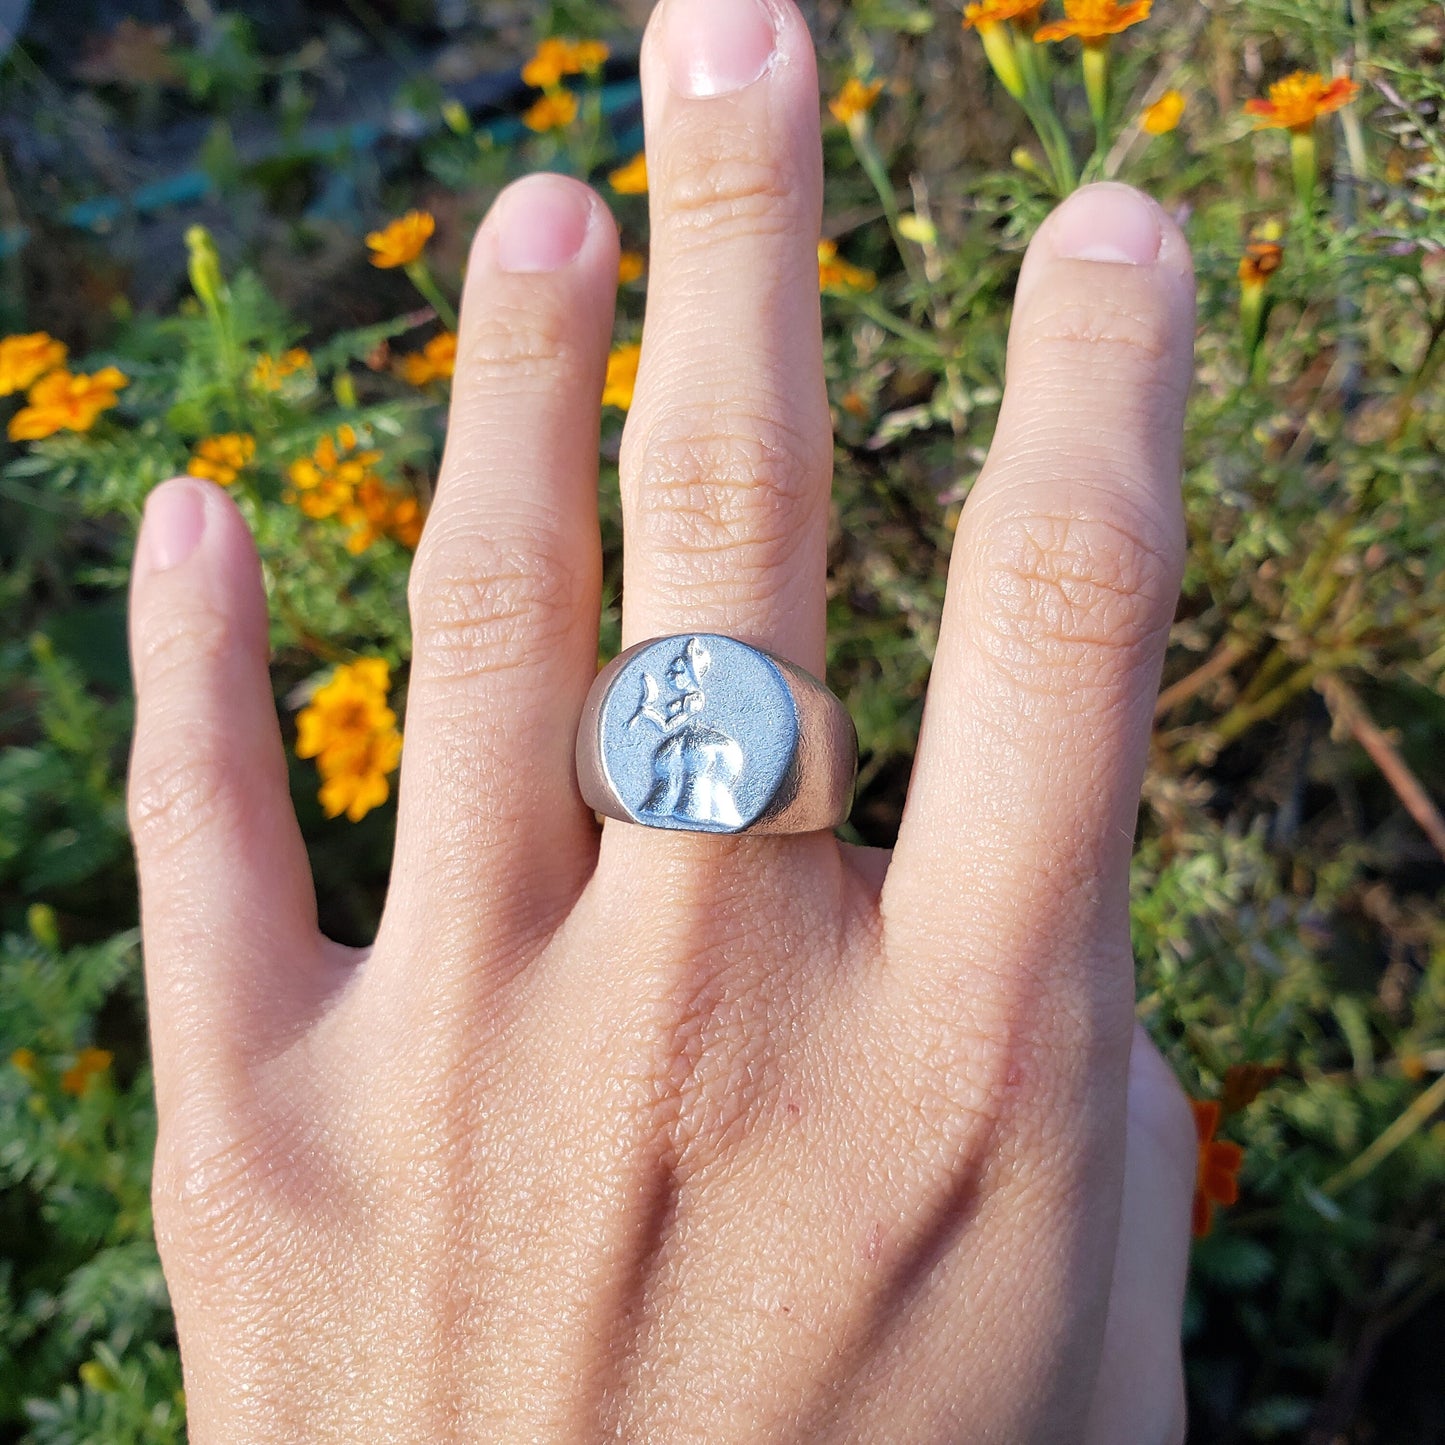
88, 1063
335, 468
351, 732
630, 266
25, 359
1260, 261
351, 703
270, 371
1297, 101
65, 402
1166, 113
556, 58
1216, 1181
358, 782
436, 361
339, 481
856, 99
621, 376
554, 111
631, 179
404, 524
376, 510
1094, 19
995, 12
835, 275
221, 459
401, 242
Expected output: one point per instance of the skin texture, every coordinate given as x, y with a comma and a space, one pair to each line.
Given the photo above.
636, 1135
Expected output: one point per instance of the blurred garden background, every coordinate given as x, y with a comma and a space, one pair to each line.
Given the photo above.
231, 237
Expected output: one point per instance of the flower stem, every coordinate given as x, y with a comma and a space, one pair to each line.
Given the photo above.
877, 173
1096, 87
1037, 101
421, 277
882, 316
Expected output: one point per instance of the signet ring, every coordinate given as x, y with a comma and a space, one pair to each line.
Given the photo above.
702, 733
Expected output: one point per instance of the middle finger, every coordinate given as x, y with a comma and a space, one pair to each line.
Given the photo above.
727, 456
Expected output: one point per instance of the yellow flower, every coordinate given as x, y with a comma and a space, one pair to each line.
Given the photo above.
1094, 19
1166, 112
630, 266
554, 111
995, 12
556, 58
358, 782
436, 361
351, 732
350, 705
25, 359
63, 402
621, 376
221, 459
325, 481
27, 1064
836, 275
590, 55
376, 511
401, 242
631, 179
1297, 101
339, 481
88, 1063
270, 371
856, 99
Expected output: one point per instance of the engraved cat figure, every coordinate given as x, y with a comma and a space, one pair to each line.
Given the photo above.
695, 766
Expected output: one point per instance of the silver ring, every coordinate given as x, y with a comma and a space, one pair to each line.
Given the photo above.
704, 734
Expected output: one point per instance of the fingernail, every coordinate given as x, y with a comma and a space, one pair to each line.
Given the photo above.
175, 521
540, 223
715, 47
1107, 222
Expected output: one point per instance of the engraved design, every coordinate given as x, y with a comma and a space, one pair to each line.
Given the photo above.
695, 766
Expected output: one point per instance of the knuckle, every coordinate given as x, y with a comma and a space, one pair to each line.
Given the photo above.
742, 493
1092, 593
177, 644
728, 184
519, 348
1106, 337
174, 795
482, 613
208, 1197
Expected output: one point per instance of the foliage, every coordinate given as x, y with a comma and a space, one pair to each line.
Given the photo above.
1291, 944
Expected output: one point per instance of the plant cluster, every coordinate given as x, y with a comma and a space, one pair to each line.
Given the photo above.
1285, 911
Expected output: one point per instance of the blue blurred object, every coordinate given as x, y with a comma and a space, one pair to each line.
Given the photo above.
498, 98
13, 15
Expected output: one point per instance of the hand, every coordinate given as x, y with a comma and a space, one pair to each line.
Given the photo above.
650, 1136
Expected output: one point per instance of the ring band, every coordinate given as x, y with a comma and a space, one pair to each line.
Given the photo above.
704, 734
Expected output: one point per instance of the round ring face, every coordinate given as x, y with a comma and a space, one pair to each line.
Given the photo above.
698, 733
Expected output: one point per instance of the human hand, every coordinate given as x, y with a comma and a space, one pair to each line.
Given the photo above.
655, 1136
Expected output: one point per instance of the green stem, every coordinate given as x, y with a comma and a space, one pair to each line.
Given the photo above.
1096, 87
1385, 1144
1243, 716
883, 317
1037, 102
1304, 164
422, 279
877, 174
